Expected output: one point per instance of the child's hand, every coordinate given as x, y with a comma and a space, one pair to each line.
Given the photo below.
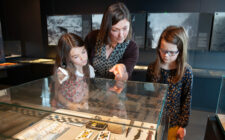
181, 132
120, 72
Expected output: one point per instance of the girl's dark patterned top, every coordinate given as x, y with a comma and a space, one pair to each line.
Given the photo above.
178, 104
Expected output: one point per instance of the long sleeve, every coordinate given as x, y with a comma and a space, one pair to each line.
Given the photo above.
186, 98
130, 57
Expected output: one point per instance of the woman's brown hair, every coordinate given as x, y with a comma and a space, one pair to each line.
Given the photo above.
65, 44
175, 35
112, 15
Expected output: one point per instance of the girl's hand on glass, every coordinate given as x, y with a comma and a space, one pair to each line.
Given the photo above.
120, 72
181, 132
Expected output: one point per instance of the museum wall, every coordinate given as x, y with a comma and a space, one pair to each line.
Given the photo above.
25, 21
198, 59
21, 22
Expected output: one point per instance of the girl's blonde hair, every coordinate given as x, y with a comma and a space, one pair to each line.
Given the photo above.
175, 35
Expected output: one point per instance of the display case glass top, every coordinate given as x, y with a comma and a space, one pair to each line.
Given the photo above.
221, 100
90, 99
220, 111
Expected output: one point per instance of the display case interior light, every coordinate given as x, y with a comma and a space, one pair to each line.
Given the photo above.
157, 22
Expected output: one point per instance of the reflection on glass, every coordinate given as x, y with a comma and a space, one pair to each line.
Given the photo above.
71, 94
139, 101
79, 101
221, 100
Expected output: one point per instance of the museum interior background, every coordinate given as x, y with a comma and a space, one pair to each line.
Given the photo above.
24, 25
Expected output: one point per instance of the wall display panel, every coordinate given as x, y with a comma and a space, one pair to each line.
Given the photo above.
96, 21
138, 25
157, 22
86, 25
59, 25
218, 32
204, 31
2, 56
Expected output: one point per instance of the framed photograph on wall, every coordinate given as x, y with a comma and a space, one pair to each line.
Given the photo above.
61, 24
2, 56
157, 22
218, 32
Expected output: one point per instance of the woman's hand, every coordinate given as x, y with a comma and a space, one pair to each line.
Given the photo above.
181, 132
120, 72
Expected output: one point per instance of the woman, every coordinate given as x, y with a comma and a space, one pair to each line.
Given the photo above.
111, 51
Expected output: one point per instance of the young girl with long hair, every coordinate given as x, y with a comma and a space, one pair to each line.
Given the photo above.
170, 67
71, 71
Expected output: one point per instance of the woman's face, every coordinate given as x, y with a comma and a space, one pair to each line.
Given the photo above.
119, 31
79, 56
168, 52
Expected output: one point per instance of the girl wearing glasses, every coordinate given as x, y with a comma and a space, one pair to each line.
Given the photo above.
170, 67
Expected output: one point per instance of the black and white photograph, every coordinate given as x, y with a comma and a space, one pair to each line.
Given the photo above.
59, 25
138, 25
2, 56
218, 33
96, 21
157, 22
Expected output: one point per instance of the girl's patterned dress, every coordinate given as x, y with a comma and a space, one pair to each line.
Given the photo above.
178, 104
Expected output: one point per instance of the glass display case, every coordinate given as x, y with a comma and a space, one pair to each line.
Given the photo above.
220, 111
79, 109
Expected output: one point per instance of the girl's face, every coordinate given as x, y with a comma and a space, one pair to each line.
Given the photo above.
168, 52
79, 56
119, 31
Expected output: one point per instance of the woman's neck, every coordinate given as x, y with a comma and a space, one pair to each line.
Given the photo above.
112, 45
169, 66
109, 50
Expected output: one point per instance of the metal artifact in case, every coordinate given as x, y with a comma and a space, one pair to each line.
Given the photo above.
47, 110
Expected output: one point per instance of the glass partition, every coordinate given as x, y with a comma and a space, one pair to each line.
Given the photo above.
119, 105
220, 111
221, 100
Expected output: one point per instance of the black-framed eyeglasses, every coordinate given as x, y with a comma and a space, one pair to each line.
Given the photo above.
170, 53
